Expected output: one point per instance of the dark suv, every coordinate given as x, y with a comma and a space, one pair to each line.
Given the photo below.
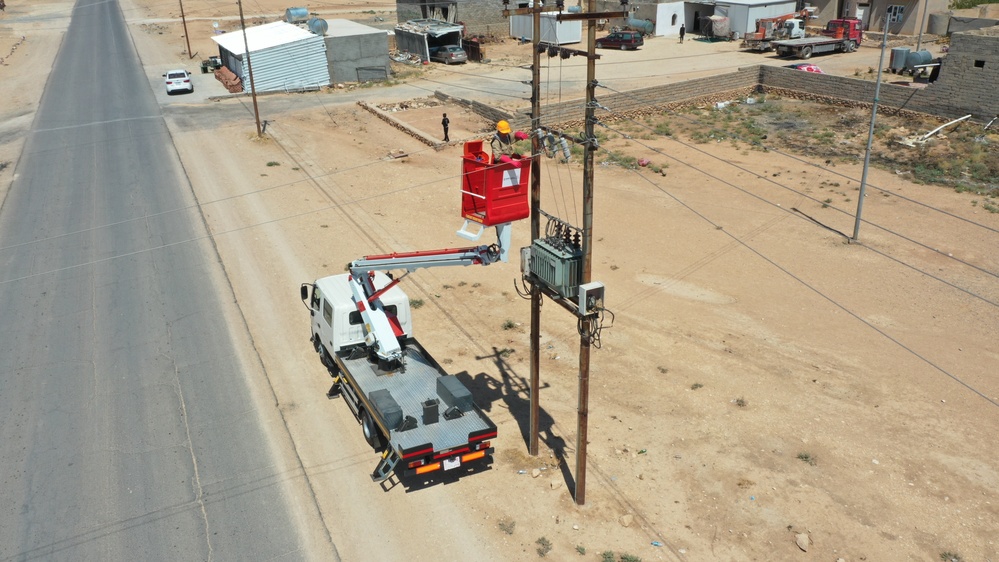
623, 40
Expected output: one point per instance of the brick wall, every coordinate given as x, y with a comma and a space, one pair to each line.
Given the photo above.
973, 89
962, 87
484, 17
571, 113
968, 83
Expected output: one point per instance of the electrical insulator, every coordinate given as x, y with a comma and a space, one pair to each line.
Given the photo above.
560, 4
552, 51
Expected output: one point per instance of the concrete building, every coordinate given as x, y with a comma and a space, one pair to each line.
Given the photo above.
900, 17
356, 52
669, 17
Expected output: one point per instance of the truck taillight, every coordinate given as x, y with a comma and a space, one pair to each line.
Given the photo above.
428, 468
472, 456
417, 463
481, 446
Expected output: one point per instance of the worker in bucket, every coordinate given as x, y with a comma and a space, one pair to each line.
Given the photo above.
502, 144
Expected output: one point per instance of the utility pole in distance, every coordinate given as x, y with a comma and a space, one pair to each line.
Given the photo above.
249, 68
187, 37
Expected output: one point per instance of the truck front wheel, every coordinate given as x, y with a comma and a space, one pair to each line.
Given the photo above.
806, 52
371, 434
850, 47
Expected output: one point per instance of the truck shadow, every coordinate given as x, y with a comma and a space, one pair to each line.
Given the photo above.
514, 391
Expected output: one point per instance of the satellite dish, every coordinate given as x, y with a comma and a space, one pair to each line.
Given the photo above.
215, 24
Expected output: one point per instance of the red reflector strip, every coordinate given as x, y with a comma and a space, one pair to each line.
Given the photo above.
426, 451
428, 468
473, 456
483, 436
450, 453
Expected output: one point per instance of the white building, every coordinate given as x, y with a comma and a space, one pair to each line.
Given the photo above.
742, 14
284, 57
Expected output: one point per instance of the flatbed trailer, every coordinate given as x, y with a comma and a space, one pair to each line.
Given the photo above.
841, 35
807, 46
410, 412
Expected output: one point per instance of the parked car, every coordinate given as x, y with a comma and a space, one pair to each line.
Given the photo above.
178, 81
623, 40
448, 54
807, 67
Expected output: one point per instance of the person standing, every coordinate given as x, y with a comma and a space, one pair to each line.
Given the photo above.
444, 123
683, 31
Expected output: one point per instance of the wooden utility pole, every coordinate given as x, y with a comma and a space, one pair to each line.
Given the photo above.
249, 69
583, 408
535, 230
183, 19
586, 322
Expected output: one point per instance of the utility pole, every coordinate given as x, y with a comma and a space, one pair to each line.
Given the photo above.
870, 139
249, 68
586, 321
922, 23
183, 19
535, 11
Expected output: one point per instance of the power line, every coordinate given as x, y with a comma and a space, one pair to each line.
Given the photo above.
794, 210
810, 287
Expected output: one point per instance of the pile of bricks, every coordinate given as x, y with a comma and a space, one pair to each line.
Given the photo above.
229, 79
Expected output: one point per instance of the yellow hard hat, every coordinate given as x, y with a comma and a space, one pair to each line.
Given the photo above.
503, 127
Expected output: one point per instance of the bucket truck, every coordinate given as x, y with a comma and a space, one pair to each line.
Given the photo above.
421, 419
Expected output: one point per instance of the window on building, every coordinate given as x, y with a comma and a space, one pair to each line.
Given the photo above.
979, 64
674, 21
894, 13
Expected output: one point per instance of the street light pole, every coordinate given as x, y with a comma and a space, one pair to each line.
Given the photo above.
870, 138
922, 23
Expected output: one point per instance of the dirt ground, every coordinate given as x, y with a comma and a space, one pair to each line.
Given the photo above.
762, 380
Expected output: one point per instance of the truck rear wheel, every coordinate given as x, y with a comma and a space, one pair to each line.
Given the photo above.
371, 433
806, 52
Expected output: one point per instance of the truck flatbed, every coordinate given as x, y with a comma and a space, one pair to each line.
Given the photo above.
410, 388
801, 42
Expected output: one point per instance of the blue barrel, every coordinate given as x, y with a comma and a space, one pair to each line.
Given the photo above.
646, 27
296, 15
318, 26
916, 58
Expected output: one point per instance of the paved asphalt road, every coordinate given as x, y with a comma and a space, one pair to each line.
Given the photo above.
128, 430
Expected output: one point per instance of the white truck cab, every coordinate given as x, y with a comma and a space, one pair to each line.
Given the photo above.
337, 324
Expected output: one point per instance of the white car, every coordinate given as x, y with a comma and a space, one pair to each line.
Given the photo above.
177, 81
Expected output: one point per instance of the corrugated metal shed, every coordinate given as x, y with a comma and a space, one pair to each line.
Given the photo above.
285, 57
